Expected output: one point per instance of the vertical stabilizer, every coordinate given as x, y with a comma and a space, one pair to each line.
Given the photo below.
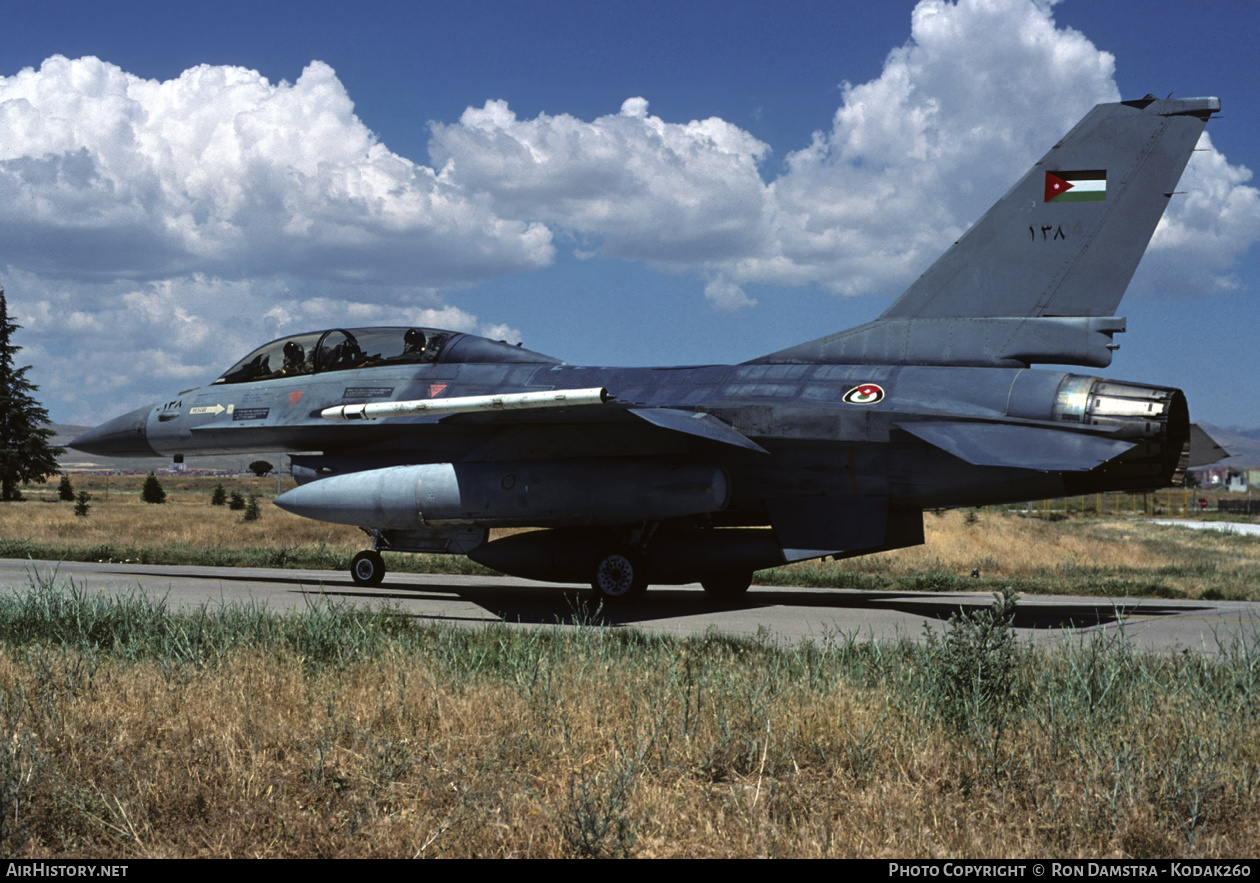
1039, 277
1066, 239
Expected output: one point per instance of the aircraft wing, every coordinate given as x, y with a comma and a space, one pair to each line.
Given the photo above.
697, 424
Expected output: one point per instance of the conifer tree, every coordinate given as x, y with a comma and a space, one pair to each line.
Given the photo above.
152, 492
25, 454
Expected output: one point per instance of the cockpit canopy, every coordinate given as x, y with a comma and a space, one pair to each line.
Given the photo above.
340, 349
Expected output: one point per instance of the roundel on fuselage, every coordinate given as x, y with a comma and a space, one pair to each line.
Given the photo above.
864, 394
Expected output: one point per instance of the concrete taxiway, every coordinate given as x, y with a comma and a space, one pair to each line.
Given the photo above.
783, 614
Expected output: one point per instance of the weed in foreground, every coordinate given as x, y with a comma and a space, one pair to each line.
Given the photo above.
971, 670
596, 821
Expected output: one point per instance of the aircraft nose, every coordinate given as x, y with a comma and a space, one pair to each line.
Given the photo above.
123, 436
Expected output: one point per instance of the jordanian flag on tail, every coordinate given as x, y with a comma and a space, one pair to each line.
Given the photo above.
1086, 186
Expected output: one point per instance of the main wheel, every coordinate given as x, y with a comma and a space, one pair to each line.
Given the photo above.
727, 586
367, 568
619, 576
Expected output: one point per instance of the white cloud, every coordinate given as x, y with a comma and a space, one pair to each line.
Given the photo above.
498, 331
916, 155
104, 174
668, 193
911, 158
154, 232
727, 297
1210, 223
140, 342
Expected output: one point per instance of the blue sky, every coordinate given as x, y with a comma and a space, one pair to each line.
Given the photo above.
612, 183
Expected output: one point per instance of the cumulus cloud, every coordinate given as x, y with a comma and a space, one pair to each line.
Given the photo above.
156, 231
727, 297
104, 174
668, 193
103, 347
1210, 223
980, 90
917, 154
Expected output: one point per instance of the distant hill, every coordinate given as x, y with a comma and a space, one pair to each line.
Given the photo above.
77, 461
1252, 433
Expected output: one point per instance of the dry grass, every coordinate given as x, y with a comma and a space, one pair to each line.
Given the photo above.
1125, 556
1107, 556
119, 517
515, 743
1011, 546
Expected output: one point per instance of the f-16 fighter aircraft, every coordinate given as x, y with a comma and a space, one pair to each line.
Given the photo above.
427, 439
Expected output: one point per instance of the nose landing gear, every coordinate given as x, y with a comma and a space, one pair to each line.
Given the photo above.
367, 568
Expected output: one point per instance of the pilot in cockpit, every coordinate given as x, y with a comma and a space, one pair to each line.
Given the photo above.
414, 343
294, 358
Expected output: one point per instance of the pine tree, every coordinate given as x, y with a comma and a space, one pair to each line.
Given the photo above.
219, 497
25, 454
152, 491
65, 490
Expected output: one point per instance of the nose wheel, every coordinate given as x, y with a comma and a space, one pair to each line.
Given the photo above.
367, 568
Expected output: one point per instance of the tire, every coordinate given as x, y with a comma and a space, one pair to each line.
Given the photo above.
727, 586
619, 577
367, 568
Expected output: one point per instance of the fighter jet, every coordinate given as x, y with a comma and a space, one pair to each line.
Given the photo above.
428, 439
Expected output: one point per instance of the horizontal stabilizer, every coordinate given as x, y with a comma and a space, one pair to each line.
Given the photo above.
1019, 447
1204, 450
699, 424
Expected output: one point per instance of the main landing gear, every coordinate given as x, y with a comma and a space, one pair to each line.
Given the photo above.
620, 577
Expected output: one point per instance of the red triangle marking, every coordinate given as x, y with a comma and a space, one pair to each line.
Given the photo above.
1056, 186
294, 396
435, 389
